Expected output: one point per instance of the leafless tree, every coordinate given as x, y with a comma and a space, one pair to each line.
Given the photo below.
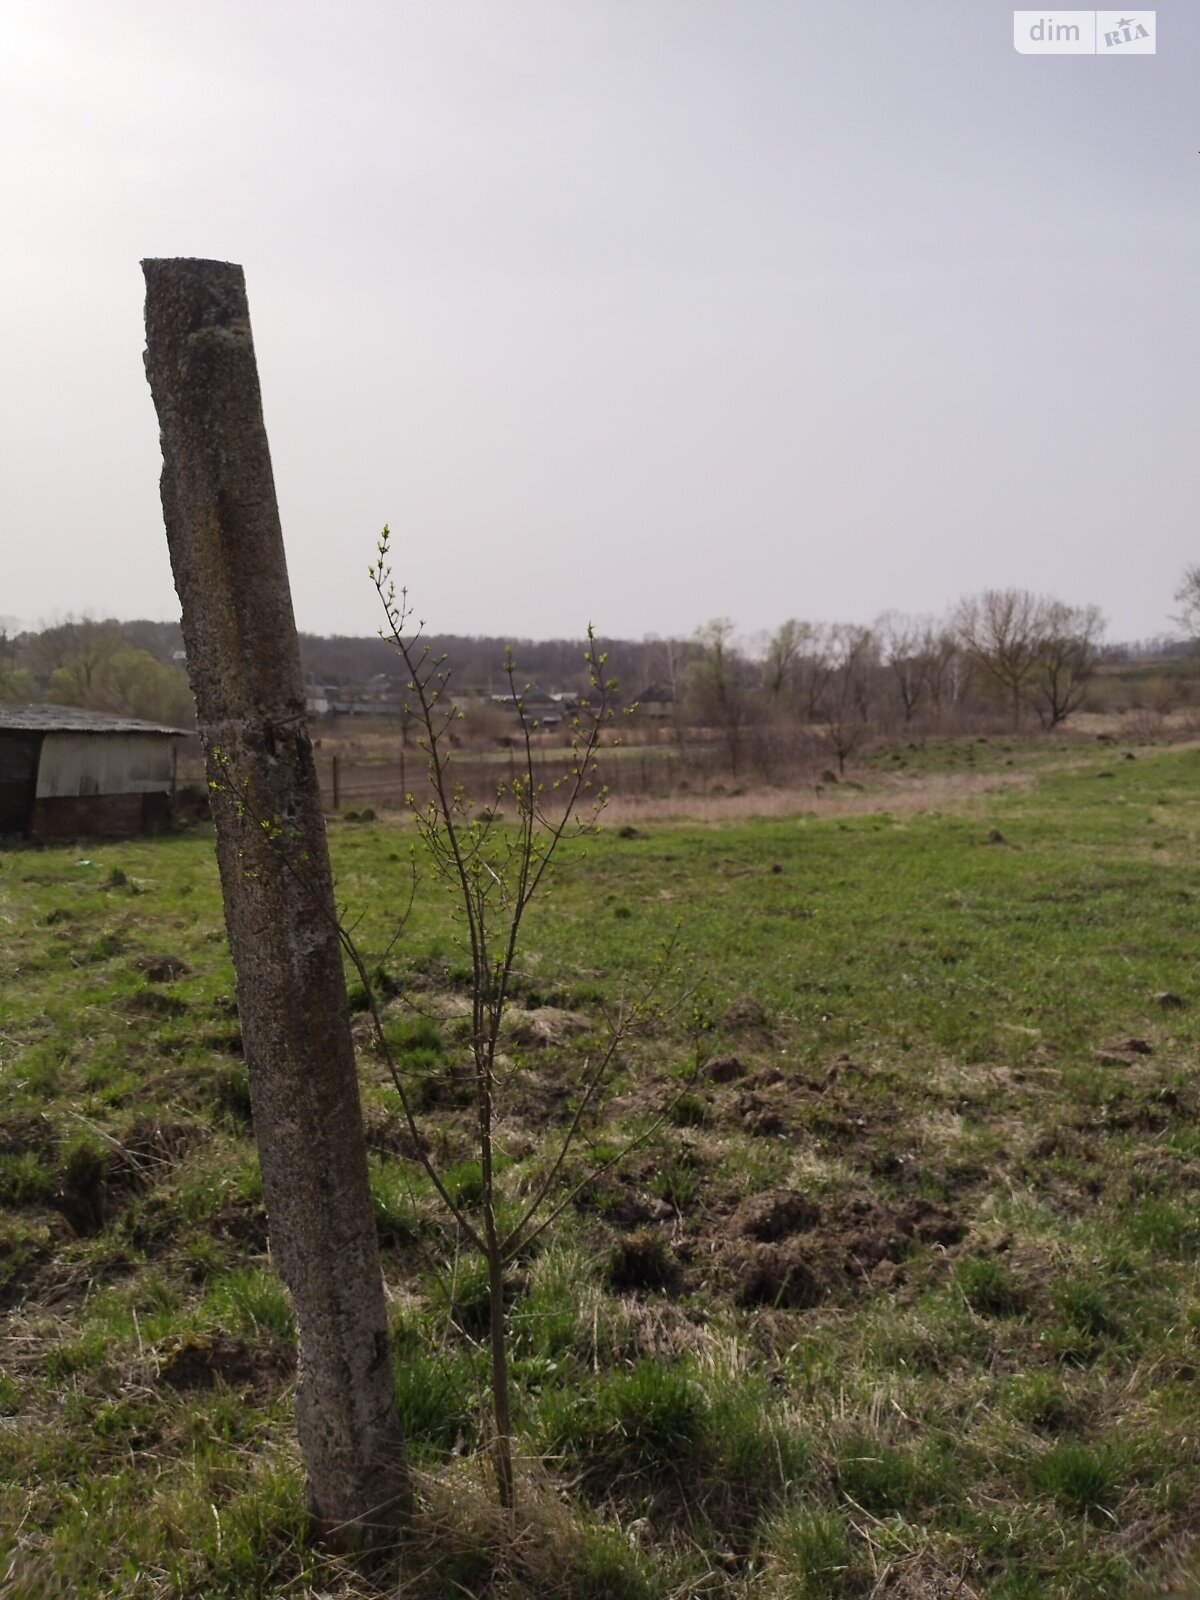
1000, 632
1187, 597
845, 706
717, 687
666, 660
1065, 659
797, 664
945, 667
904, 645
781, 658
493, 874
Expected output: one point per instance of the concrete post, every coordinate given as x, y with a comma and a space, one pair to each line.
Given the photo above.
222, 522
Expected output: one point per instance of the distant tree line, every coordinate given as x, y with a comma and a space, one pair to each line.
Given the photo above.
1004, 652
1018, 658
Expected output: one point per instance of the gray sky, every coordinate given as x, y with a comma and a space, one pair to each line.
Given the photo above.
637, 311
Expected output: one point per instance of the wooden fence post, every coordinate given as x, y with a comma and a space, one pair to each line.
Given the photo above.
222, 521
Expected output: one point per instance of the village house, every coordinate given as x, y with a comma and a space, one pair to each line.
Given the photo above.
546, 710
380, 696
656, 700
67, 773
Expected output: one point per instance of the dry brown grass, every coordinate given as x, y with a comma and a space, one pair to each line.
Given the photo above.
906, 795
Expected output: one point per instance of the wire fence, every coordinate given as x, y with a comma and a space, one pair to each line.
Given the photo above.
350, 784
354, 780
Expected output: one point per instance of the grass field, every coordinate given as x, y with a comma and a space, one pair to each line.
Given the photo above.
901, 1299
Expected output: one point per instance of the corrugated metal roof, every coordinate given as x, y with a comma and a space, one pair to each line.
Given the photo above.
74, 719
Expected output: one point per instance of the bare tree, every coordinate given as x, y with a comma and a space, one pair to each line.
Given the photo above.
945, 666
1187, 598
493, 874
665, 660
781, 660
1065, 659
797, 664
815, 665
845, 706
717, 688
903, 646
1000, 632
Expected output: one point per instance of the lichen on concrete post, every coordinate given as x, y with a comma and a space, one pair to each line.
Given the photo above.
226, 545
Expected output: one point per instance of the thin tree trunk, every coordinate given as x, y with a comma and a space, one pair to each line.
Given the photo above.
227, 555
502, 1453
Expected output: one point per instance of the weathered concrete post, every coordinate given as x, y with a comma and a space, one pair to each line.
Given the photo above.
222, 521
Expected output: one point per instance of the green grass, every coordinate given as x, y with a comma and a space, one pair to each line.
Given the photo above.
987, 1375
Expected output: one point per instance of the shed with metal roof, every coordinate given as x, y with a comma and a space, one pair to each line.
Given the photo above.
66, 773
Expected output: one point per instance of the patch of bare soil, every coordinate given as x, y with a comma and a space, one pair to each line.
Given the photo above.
544, 1025
769, 1103
1156, 1171
781, 1249
761, 1116
642, 1260
27, 1261
162, 968
206, 1360
27, 1132
388, 1134
442, 1006
98, 1181
156, 1004
725, 1069
244, 1222
774, 1215
744, 1013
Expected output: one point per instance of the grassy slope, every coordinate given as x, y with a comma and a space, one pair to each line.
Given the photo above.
972, 1358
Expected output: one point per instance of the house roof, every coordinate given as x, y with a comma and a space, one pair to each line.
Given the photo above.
74, 719
531, 695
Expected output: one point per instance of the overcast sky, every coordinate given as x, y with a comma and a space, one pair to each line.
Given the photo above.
636, 311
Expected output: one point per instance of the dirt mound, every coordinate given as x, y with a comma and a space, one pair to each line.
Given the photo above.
159, 1005
98, 1179
790, 1274
243, 1222
724, 1069
641, 1260
780, 1250
760, 1116
162, 968
204, 1360
870, 1232
24, 1132
546, 1025
744, 1012
775, 1215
